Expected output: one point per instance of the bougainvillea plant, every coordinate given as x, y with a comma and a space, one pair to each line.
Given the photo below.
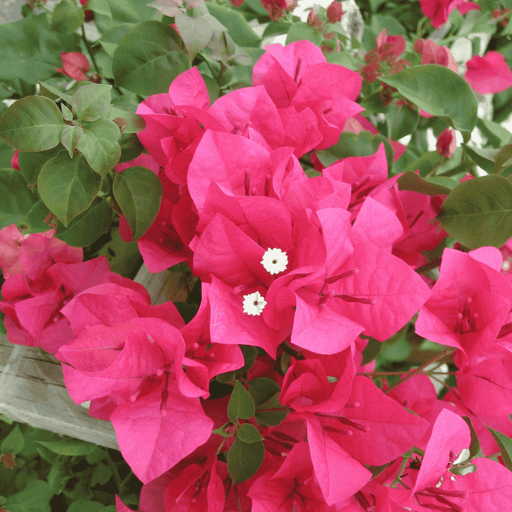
333, 184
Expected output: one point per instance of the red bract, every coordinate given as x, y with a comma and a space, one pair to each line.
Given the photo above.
437, 10
485, 389
431, 53
489, 74
469, 304
42, 275
75, 65
298, 76
292, 485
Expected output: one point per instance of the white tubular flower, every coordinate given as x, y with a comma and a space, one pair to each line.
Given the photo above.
274, 261
254, 304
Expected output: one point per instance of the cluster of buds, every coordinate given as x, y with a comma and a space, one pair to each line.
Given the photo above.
33, 3
89, 15
319, 18
387, 51
502, 15
277, 8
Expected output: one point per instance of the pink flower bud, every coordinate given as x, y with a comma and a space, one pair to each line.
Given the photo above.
334, 12
446, 143
14, 161
75, 65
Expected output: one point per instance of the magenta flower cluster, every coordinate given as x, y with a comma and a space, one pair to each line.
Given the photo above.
304, 269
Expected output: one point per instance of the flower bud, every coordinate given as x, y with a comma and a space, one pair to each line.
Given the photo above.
75, 65
446, 143
334, 12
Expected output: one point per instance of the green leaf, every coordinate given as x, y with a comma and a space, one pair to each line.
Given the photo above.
474, 447
100, 7
426, 163
478, 212
350, 144
135, 122
66, 113
68, 446
31, 163
90, 102
17, 199
502, 160
58, 477
265, 393
82, 505
240, 404
33, 123
110, 40
412, 181
14, 442
148, 58
248, 433
244, 460
99, 145
131, 147
401, 121
5, 419
34, 498
68, 186
67, 17
33, 221
440, 92
221, 431
196, 32
390, 23
70, 138
504, 444
31, 50
124, 257
250, 354
371, 351
237, 26
138, 192
87, 227
299, 31
485, 158
497, 135
49, 91
101, 474
397, 351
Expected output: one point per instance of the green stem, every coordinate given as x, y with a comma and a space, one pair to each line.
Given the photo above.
401, 470
437, 357
115, 472
90, 51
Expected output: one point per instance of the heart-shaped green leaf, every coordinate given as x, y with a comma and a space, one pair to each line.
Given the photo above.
99, 144
68, 186
33, 123
478, 212
148, 58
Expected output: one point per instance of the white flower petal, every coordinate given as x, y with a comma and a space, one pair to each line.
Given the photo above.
274, 261
254, 303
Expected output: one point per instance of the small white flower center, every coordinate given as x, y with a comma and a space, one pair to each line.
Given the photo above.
274, 261
254, 304
505, 266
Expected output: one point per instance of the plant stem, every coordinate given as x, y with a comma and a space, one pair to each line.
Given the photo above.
90, 51
115, 472
442, 355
